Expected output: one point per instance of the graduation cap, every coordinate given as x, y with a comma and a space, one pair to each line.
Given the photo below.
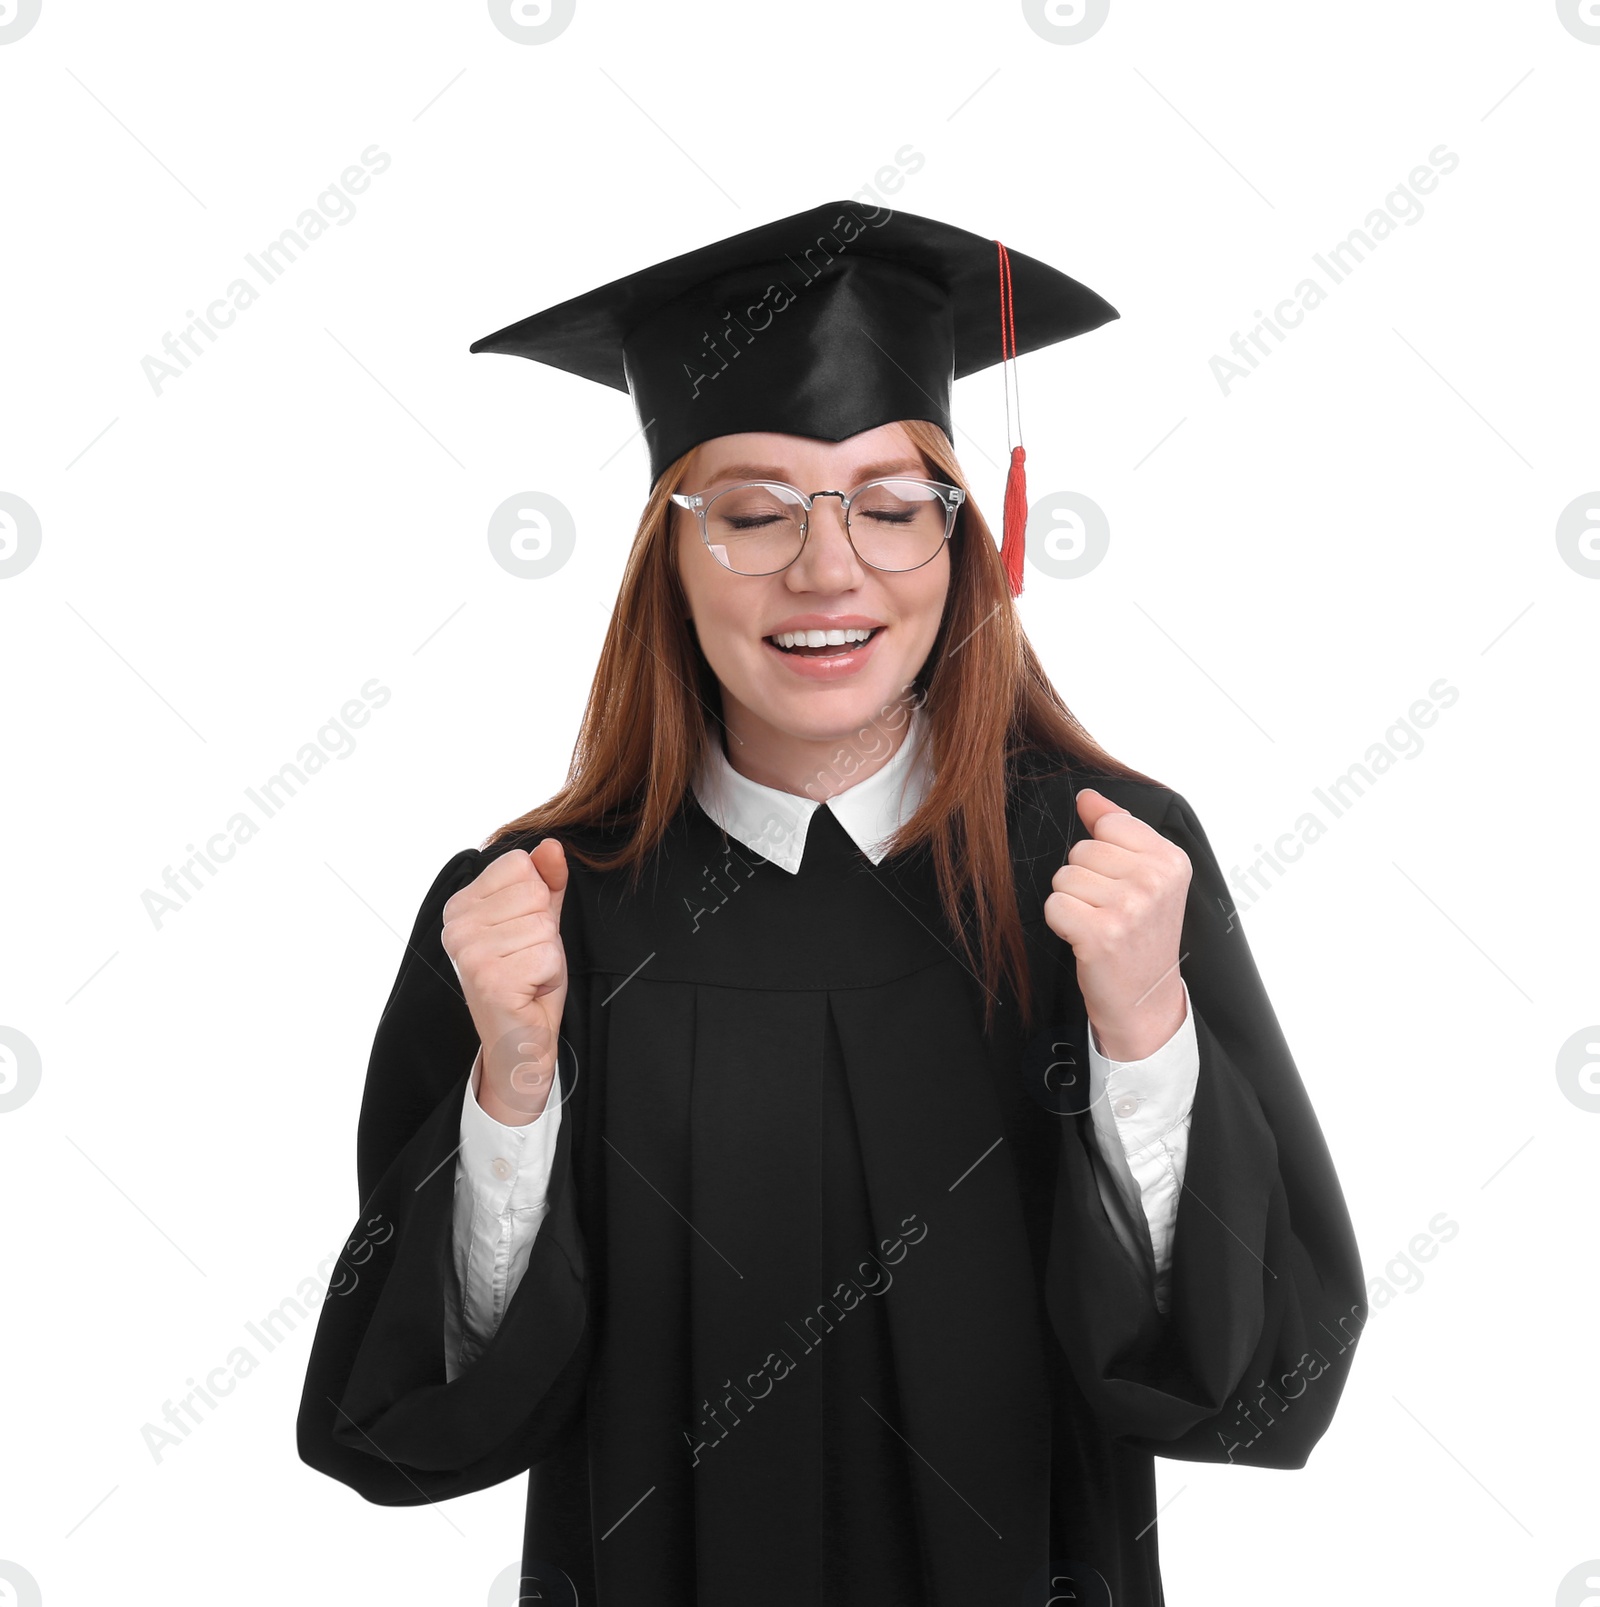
823, 324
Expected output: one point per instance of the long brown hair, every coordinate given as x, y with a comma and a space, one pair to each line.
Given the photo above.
983, 691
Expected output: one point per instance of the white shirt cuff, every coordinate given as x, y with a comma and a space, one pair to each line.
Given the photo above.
1149, 1097
502, 1177
507, 1168
1141, 1112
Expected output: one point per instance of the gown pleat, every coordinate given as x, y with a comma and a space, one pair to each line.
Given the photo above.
868, 1537
804, 1488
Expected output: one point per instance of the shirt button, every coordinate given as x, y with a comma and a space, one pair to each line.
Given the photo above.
501, 1167
1126, 1105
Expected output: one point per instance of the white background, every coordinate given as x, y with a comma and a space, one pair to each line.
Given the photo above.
1292, 565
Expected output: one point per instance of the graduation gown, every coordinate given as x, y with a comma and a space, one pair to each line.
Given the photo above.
828, 1306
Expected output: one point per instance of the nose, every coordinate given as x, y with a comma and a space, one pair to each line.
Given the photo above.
828, 561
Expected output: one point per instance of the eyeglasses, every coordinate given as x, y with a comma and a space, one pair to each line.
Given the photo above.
760, 526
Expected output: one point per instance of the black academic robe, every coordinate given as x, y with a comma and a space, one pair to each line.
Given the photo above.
828, 1307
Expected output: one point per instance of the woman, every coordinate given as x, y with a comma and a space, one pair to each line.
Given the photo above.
854, 1014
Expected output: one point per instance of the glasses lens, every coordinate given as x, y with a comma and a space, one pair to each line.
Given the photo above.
755, 529
897, 524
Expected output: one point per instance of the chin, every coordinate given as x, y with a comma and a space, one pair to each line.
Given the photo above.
818, 713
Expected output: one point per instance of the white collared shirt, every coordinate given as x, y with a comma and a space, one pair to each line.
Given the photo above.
1140, 1112
773, 823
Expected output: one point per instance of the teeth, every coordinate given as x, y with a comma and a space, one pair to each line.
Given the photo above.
838, 638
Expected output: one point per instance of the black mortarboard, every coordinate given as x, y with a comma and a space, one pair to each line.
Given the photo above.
825, 324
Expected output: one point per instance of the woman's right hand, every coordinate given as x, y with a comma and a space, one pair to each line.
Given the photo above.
502, 932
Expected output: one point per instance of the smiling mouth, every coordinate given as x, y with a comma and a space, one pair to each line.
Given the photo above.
828, 649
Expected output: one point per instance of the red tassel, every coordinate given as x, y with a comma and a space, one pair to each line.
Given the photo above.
1014, 528
1016, 520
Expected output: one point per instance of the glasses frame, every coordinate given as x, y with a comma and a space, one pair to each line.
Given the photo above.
697, 502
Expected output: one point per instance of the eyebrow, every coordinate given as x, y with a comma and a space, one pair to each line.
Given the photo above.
869, 471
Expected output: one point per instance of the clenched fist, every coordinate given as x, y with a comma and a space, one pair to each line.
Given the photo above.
503, 935
1119, 902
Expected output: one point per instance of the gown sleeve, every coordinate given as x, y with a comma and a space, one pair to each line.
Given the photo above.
1267, 1295
377, 1411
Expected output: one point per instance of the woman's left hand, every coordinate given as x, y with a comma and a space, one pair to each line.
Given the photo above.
1119, 901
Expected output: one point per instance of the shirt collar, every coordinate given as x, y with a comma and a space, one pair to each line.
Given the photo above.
773, 823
